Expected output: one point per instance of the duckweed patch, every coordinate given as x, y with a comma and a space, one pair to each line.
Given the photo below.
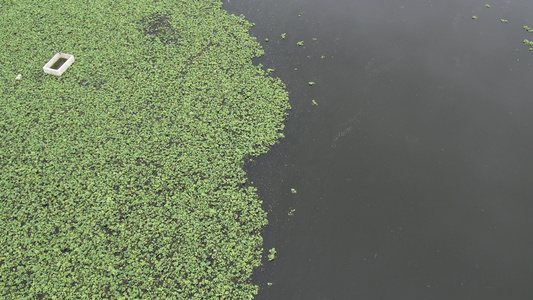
123, 177
272, 254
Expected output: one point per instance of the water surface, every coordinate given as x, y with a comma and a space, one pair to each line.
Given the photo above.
414, 171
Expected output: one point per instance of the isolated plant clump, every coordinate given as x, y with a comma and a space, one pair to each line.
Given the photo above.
123, 177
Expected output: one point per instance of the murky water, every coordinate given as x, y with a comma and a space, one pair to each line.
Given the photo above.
414, 172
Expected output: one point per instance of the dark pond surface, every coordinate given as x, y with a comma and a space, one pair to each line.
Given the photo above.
414, 172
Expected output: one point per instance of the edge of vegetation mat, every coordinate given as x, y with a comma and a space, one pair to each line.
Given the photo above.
123, 177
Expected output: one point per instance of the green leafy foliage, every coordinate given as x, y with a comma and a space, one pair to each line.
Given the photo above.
123, 177
300, 43
272, 254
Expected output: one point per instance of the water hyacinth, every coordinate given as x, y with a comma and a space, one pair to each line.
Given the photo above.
123, 177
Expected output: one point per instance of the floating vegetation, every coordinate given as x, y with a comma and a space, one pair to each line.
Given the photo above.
291, 211
528, 29
314, 102
504, 21
272, 254
474, 17
300, 43
311, 83
487, 5
294, 191
283, 35
123, 178
266, 40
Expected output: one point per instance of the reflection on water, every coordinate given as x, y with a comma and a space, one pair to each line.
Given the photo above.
414, 171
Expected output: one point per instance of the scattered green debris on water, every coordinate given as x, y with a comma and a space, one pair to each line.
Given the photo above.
526, 41
283, 35
474, 17
504, 21
314, 103
487, 5
311, 83
300, 43
270, 70
323, 56
266, 40
529, 43
269, 283
314, 39
291, 211
272, 254
123, 177
294, 191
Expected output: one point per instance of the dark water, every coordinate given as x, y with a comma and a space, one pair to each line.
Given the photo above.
414, 173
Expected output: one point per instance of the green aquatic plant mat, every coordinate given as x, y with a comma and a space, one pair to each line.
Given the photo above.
123, 177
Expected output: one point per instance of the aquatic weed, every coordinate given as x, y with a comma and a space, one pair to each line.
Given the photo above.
272, 254
123, 177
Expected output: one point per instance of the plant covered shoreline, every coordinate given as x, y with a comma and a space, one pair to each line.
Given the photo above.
123, 177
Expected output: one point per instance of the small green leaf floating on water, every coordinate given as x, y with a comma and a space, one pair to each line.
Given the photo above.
291, 212
272, 254
474, 17
294, 191
503, 21
487, 5
314, 103
311, 83
266, 40
528, 29
314, 39
269, 283
300, 43
283, 35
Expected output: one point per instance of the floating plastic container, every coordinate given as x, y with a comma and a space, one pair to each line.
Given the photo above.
58, 64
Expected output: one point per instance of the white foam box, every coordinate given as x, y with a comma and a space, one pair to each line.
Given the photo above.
58, 72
